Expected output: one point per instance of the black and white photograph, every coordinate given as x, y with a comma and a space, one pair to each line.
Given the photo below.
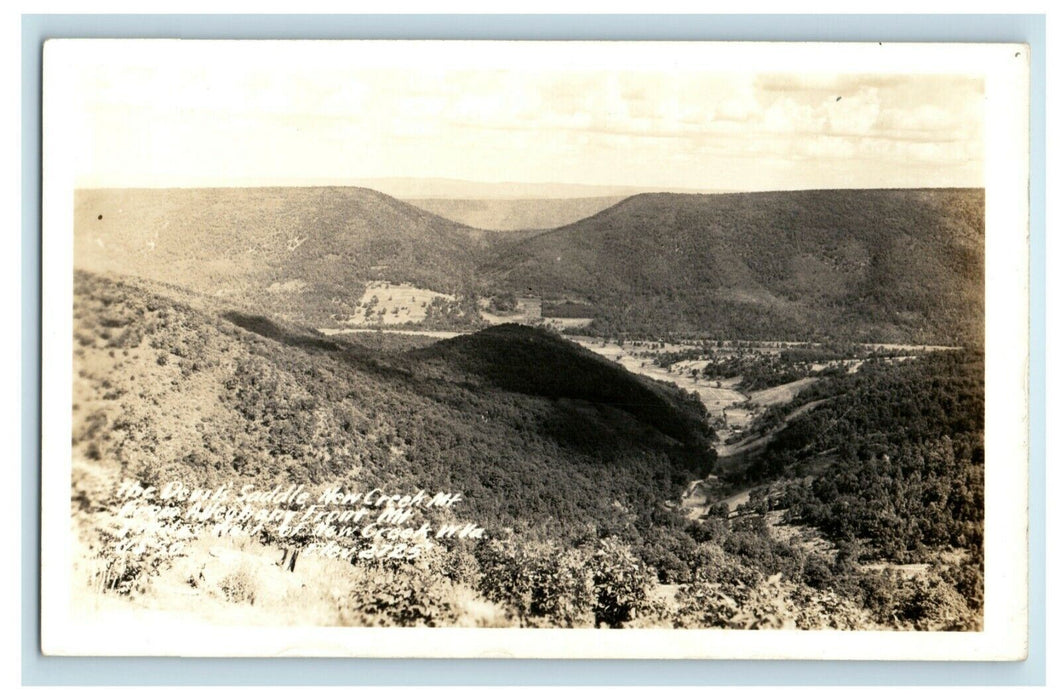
580, 349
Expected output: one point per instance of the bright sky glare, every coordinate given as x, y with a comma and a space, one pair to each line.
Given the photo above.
191, 115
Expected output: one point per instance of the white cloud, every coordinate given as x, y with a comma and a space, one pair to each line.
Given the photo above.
738, 108
787, 115
827, 147
684, 129
855, 114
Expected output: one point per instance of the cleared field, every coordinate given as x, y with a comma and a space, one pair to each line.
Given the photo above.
392, 304
718, 396
565, 323
649, 348
527, 310
689, 365
717, 399
635, 360
783, 393
495, 319
738, 417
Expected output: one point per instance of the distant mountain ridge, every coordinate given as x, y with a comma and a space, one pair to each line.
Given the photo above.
303, 252
900, 265
868, 265
516, 214
449, 188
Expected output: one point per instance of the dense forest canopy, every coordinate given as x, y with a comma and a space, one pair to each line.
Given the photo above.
285, 404
865, 265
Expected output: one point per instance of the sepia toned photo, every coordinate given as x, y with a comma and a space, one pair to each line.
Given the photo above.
570, 350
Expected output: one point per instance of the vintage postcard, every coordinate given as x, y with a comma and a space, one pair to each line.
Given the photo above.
529, 349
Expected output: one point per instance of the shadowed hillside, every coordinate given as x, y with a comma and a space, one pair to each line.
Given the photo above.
303, 252
541, 363
170, 389
889, 265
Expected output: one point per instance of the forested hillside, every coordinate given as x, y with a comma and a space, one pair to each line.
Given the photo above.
889, 463
170, 391
866, 265
304, 252
539, 363
573, 467
907, 447
855, 265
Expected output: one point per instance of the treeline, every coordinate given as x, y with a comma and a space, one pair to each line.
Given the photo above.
760, 369
566, 309
673, 312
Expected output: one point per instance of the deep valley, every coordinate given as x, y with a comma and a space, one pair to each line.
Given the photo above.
759, 410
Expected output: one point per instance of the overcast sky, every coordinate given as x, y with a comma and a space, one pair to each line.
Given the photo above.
238, 122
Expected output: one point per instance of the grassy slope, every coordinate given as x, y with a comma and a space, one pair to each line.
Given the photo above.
894, 264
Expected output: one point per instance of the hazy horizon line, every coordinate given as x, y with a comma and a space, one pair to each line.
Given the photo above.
614, 190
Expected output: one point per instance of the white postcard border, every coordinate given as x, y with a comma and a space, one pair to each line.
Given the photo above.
1006, 166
